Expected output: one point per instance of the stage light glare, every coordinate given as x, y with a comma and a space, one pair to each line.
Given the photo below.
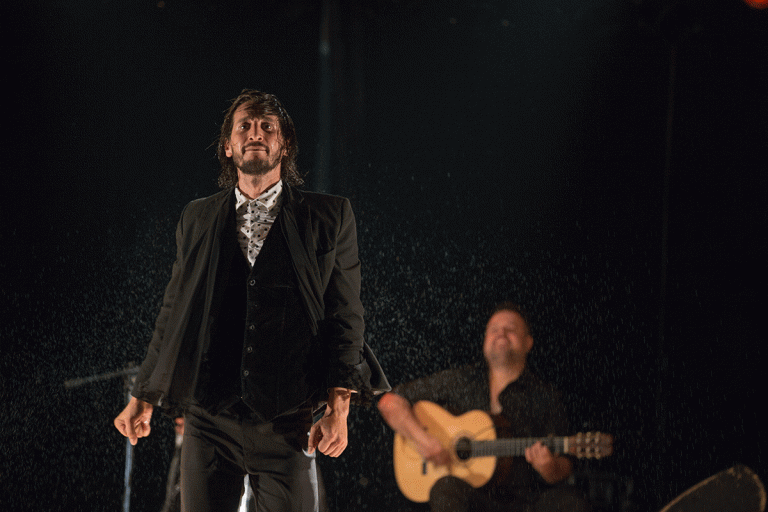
757, 4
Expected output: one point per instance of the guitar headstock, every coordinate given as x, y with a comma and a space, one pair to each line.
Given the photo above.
590, 445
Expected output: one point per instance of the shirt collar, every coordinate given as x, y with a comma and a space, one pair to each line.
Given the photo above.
269, 198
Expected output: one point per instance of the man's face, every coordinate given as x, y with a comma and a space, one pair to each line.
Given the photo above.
506, 338
255, 144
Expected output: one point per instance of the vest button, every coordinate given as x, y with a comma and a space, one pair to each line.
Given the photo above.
252, 282
249, 349
251, 327
245, 373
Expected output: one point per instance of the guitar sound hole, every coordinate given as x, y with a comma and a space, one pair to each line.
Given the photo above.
464, 448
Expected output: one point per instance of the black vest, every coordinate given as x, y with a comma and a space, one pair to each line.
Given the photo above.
262, 348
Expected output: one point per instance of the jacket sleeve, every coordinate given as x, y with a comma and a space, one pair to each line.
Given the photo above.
343, 325
142, 388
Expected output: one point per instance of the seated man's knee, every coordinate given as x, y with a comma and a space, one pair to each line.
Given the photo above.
450, 494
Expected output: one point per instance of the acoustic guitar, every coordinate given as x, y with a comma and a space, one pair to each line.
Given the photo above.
471, 440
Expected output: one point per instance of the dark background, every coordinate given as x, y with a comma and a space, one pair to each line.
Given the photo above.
602, 162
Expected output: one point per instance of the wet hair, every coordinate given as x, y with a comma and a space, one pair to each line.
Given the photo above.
514, 307
262, 104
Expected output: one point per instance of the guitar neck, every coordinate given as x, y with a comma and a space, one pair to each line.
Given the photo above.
516, 447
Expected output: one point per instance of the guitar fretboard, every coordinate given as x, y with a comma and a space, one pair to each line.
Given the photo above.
516, 447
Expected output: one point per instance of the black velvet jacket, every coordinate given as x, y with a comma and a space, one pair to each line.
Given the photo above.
320, 232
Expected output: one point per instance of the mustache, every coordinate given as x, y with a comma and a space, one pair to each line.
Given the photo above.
255, 145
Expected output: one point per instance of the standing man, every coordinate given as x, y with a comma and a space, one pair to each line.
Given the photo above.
261, 323
521, 404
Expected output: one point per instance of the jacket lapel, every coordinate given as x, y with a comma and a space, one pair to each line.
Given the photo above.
305, 266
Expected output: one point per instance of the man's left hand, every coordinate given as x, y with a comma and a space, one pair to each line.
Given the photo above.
539, 456
329, 434
552, 469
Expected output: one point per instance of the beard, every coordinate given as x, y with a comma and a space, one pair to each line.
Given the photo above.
256, 167
500, 352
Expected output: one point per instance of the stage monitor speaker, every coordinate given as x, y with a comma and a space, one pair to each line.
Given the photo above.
737, 489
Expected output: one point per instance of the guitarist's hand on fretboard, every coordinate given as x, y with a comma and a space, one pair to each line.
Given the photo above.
552, 468
539, 456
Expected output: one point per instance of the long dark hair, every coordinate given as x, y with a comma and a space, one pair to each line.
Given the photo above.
263, 104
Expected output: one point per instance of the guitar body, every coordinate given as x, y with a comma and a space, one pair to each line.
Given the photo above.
415, 477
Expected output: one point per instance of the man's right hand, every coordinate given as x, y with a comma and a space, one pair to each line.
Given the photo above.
398, 413
432, 450
133, 422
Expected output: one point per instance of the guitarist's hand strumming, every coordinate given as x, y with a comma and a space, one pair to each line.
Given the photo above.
432, 450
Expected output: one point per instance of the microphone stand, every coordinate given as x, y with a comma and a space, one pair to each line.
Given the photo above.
129, 376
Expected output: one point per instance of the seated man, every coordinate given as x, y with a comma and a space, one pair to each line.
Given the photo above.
521, 404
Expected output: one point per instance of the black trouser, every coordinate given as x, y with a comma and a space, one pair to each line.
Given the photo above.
218, 451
